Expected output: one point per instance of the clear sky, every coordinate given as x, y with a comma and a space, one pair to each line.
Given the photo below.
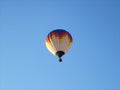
93, 62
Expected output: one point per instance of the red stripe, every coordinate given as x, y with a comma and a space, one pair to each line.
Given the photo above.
60, 36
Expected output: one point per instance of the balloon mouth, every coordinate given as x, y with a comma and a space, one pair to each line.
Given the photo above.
60, 54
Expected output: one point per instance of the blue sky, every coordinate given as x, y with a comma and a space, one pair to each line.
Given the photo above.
93, 62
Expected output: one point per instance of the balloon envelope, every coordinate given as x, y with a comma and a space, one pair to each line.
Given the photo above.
59, 40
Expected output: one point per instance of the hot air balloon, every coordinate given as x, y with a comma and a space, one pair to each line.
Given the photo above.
59, 42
